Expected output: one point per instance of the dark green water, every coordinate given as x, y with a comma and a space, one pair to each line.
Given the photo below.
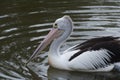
24, 23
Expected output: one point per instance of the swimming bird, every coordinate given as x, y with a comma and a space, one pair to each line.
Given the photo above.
94, 55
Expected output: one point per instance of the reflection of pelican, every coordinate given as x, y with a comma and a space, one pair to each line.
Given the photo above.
98, 54
55, 74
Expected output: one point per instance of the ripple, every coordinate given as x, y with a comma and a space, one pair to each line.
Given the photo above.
2, 37
92, 11
93, 23
37, 38
35, 12
10, 71
43, 30
101, 7
9, 30
39, 25
4, 16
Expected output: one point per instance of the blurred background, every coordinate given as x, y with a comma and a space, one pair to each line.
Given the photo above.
24, 24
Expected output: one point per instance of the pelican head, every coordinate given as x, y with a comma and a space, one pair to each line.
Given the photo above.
62, 28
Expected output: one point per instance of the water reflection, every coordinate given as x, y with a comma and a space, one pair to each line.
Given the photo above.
55, 74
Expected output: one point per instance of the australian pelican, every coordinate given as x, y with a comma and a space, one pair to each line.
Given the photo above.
97, 54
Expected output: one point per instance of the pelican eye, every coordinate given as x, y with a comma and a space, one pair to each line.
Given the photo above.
55, 25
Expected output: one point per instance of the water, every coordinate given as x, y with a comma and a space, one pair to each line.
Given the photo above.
24, 24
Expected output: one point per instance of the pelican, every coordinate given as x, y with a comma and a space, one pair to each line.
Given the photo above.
95, 55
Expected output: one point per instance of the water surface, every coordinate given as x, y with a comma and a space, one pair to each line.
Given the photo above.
24, 24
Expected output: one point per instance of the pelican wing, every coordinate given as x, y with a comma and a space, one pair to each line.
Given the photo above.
97, 56
91, 60
94, 41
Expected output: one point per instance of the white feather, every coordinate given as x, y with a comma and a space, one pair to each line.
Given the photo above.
90, 59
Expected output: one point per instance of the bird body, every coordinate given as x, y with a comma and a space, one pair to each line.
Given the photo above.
97, 54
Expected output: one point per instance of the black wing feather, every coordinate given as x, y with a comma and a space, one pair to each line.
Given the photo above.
94, 41
109, 43
112, 47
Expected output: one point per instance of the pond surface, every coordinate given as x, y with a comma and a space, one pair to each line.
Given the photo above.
24, 24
